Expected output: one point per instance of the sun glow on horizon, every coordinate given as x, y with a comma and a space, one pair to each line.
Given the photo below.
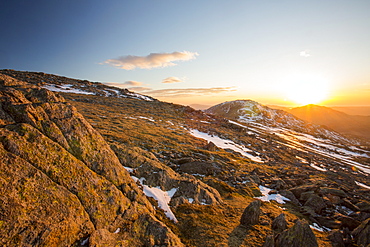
305, 90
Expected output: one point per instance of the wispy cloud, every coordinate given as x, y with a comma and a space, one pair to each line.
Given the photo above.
125, 84
139, 89
153, 60
305, 53
187, 92
132, 83
171, 80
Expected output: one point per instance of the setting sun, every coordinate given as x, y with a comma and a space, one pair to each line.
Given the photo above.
306, 90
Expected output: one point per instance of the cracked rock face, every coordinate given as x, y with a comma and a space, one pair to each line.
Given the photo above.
58, 175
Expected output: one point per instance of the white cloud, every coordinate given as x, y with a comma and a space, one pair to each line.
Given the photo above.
305, 53
171, 80
153, 60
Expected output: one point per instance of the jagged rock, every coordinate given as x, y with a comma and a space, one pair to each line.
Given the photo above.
269, 242
203, 168
279, 224
278, 184
305, 210
349, 205
334, 199
349, 222
305, 195
362, 216
211, 146
336, 238
364, 206
298, 235
362, 233
155, 232
184, 160
288, 194
297, 191
251, 214
315, 202
328, 222
332, 191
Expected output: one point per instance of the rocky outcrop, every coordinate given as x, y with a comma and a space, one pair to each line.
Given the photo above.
58, 175
298, 235
251, 214
279, 224
336, 238
362, 233
146, 165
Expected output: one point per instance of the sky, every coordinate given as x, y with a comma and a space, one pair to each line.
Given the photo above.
279, 52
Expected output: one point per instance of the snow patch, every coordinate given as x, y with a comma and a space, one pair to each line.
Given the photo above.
362, 185
163, 198
318, 168
318, 228
225, 144
129, 169
66, 88
268, 197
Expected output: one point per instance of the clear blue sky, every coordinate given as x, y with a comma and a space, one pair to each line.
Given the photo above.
257, 50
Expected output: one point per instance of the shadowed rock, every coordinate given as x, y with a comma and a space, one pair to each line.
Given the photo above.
336, 238
297, 236
269, 242
279, 224
362, 233
315, 202
251, 214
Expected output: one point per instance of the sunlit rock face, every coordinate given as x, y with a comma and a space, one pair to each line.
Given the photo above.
58, 175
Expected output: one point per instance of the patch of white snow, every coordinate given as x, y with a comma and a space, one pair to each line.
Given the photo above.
268, 197
225, 144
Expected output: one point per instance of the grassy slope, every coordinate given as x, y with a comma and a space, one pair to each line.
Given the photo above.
120, 120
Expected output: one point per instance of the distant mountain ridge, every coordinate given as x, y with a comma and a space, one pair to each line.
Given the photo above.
249, 111
353, 125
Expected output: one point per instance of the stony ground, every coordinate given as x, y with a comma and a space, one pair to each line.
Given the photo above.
216, 189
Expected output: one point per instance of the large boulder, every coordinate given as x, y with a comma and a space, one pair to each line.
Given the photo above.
251, 214
298, 235
279, 224
362, 233
315, 202
336, 238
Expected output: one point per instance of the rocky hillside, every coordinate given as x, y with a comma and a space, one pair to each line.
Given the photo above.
61, 183
155, 173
